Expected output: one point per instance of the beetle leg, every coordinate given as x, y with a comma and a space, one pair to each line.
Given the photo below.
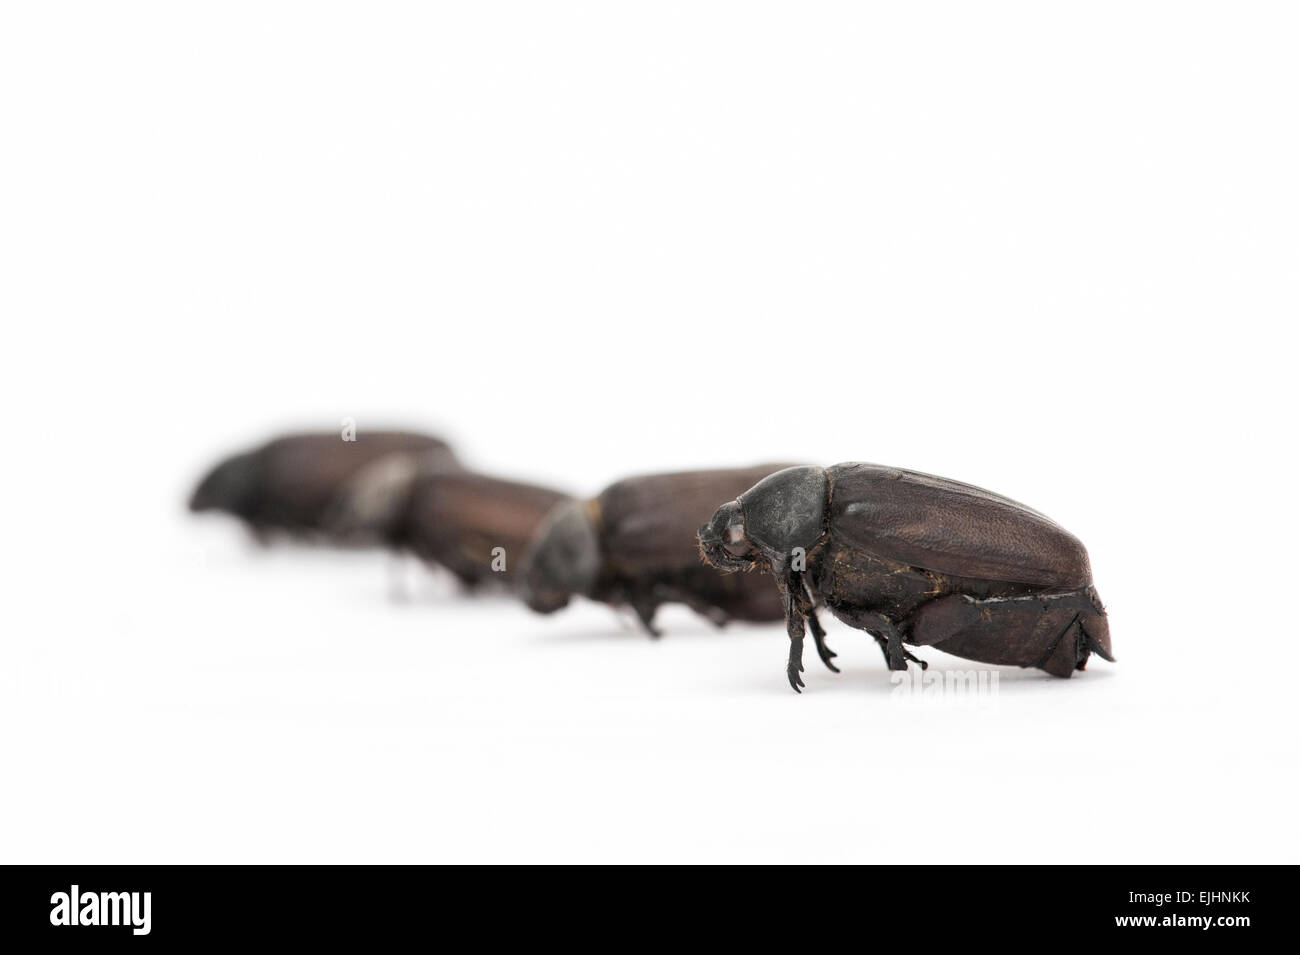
794, 666
794, 626
712, 614
398, 591
819, 638
715, 615
884, 649
468, 584
894, 652
891, 643
645, 607
809, 610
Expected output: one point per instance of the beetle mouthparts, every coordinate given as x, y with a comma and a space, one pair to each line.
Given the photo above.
718, 557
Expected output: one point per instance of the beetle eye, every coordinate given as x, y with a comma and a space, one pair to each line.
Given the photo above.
736, 544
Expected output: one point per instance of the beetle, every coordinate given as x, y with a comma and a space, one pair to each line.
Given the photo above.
633, 545
915, 559
293, 483
474, 525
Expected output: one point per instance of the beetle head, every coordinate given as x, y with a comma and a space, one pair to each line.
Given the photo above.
783, 511
563, 559
231, 486
723, 543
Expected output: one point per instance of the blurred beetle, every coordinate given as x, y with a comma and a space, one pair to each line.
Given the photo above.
293, 483
916, 559
476, 526
634, 545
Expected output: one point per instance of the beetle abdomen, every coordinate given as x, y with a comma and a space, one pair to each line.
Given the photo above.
1054, 634
952, 528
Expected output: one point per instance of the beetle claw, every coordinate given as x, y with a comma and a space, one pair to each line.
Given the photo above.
819, 639
900, 661
898, 658
827, 655
796, 680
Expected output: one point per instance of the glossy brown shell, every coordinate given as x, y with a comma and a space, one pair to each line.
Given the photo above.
648, 523
302, 473
457, 519
948, 527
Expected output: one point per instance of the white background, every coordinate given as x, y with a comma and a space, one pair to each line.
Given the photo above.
1047, 249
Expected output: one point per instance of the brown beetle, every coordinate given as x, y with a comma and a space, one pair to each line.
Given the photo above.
916, 559
474, 525
293, 483
634, 545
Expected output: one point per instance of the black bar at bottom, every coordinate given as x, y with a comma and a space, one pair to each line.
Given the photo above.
378, 905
